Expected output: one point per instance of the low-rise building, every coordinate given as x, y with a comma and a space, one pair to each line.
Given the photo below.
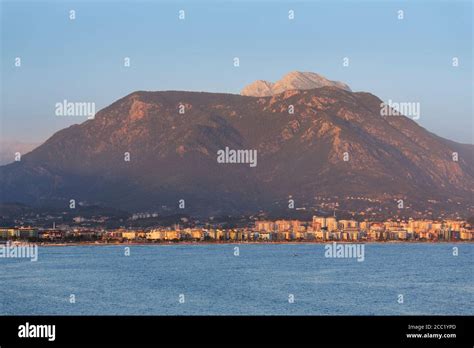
52, 234
6, 233
466, 234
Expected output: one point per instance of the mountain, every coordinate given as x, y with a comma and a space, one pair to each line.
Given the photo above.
292, 81
173, 156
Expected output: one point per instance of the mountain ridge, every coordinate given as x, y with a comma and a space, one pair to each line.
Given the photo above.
173, 155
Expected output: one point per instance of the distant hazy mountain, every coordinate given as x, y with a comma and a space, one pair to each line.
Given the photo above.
173, 156
8, 149
291, 81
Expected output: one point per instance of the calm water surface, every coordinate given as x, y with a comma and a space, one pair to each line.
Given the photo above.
259, 281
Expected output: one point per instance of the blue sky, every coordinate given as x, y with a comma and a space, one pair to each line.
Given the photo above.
82, 60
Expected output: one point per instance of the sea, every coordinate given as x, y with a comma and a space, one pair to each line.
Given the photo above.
240, 279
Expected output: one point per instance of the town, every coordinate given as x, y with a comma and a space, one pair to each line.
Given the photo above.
320, 229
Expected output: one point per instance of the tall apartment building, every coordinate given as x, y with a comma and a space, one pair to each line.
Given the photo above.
265, 226
318, 222
331, 223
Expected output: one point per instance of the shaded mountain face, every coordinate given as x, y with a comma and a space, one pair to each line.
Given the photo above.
292, 81
334, 144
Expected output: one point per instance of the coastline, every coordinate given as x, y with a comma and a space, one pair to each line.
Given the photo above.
245, 243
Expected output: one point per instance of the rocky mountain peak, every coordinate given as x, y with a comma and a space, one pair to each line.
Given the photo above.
294, 80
